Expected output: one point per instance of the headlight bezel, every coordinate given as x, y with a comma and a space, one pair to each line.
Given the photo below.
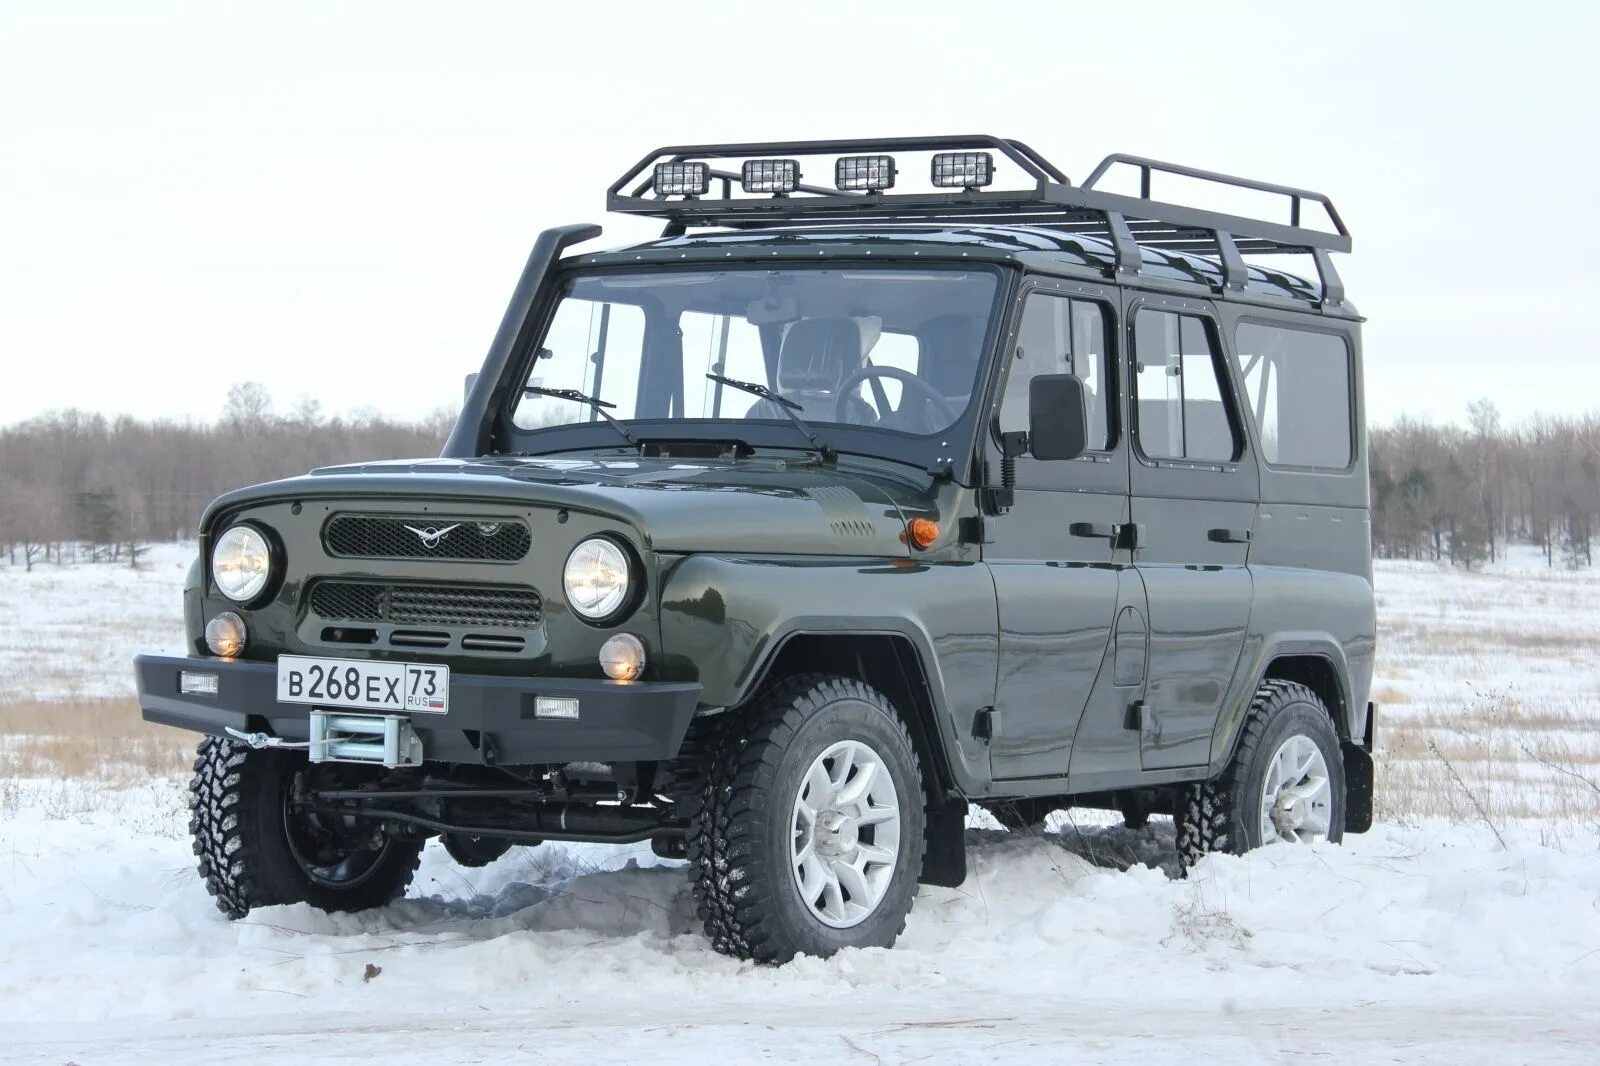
274, 552
632, 593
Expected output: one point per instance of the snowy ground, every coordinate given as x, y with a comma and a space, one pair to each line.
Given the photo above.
1423, 943
1424, 940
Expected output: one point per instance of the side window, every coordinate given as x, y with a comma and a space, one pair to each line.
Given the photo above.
1178, 390
592, 347
719, 344
1298, 382
1058, 335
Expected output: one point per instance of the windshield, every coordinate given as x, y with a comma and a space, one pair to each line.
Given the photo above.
885, 349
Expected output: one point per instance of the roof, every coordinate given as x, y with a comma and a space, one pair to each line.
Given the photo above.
1034, 246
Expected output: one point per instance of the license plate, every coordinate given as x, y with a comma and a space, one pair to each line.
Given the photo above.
364, 684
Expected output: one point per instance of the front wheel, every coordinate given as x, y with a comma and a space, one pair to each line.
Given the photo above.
259, 847
1285, 783
807, 833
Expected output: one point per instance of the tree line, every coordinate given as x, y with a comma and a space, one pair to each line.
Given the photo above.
83, 486
1461, 493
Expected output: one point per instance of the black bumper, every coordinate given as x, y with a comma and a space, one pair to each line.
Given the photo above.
491, 719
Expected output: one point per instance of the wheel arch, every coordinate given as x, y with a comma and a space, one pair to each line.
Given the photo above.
887, 660
892, 663
1314, 660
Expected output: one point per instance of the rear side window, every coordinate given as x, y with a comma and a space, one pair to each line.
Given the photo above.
1179, 385
1298, 383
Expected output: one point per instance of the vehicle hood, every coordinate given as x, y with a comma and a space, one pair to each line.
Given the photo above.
760, 505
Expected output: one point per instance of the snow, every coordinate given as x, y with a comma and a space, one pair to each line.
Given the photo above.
1422, 940
71, 632
1427, 942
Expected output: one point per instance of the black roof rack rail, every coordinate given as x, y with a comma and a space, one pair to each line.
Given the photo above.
1127, 221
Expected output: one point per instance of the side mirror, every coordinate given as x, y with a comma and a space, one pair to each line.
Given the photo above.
1058, 421
466, 389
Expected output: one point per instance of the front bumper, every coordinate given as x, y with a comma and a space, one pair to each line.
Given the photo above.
491, 719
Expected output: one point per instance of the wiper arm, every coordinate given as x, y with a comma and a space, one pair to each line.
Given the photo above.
598, 406
787, 406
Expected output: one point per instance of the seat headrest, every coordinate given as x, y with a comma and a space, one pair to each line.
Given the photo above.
817, 354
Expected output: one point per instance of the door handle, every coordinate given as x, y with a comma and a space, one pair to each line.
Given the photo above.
1098, 530
1128, 535
1229, 536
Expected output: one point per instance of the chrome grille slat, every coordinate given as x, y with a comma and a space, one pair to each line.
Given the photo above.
364, 536
511, 607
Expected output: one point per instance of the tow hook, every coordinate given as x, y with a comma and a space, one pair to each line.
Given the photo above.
263, 740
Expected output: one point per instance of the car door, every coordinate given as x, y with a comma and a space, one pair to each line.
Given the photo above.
1195, 488
1053, 552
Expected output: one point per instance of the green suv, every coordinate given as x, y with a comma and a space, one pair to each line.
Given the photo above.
779, 540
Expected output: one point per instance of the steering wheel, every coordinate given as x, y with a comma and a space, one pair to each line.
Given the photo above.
847, 389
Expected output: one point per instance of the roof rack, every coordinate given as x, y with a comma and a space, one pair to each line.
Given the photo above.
1048, 199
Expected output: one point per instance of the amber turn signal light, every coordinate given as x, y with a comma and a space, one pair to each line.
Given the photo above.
924, 531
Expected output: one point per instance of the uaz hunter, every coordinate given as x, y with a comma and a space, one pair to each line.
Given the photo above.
777, 540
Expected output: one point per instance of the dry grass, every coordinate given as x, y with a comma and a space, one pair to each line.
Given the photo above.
1499, 758
101, 740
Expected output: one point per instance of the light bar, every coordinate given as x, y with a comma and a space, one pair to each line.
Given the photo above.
963, 170
854, 173
770, 175
682, 179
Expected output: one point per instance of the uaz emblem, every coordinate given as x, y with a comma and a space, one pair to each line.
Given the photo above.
430, 535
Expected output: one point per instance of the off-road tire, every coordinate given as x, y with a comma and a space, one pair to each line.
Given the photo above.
739, 804
1223, 814
236, 803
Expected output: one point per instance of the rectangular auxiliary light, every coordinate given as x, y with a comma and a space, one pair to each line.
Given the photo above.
869, 172
555, 707
191, 683
963, 170
682, 179
770, 175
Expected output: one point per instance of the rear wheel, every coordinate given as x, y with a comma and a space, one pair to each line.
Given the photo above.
259, 847
1285, 783
806, 835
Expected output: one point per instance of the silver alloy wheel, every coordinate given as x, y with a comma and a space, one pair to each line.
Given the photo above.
1296, 798
845, 839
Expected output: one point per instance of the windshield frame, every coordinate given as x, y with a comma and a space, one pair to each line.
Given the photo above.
952, 447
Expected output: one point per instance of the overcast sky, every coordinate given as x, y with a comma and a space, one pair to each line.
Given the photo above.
336, 199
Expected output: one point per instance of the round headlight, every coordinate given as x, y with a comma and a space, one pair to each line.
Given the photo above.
596, 578
241, 563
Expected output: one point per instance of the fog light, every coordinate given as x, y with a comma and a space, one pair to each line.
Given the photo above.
195, 684
225, 635
622, 657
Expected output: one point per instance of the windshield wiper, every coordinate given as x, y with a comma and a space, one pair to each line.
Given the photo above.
597, 405
787, 406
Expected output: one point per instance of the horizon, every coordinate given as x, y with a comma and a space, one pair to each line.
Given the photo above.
195, 198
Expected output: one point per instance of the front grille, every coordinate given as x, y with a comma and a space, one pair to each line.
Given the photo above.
426, 605
361, 536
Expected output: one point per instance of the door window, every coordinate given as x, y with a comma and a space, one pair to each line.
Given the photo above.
1058, 335
1179, 385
